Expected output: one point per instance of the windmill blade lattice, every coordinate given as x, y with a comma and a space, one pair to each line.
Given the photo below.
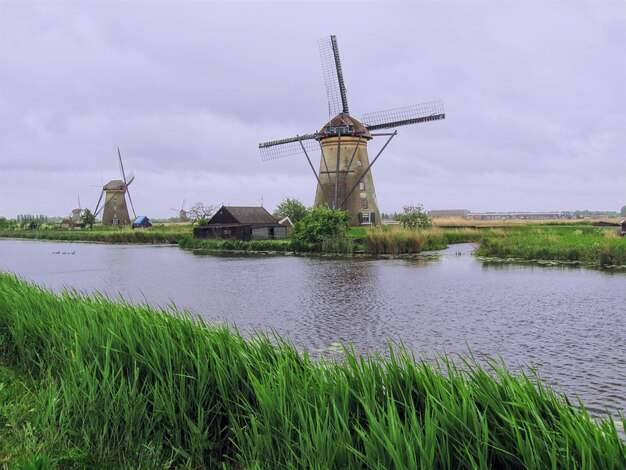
287, 147
126, 183
333, 76
414, 114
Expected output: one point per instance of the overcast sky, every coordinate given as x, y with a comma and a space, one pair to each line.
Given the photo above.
534, 92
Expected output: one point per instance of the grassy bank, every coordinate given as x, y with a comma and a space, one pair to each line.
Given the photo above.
158, 234
217, 244
396, 240
598, 246
111, 384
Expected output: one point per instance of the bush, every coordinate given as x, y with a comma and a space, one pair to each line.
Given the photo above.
414, 217
319, 225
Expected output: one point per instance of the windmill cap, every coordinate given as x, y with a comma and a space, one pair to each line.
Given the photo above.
114, 185
345, 120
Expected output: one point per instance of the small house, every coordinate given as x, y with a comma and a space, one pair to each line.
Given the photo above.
241, 223
142, 222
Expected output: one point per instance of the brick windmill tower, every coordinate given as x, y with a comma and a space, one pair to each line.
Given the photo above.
344, 178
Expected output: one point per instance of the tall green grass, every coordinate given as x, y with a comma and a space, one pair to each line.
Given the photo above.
396, 240
128, 385
227, 244
154, 235
599, 246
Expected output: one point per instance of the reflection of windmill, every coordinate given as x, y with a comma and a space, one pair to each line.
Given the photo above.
182, 213
114, 209
345, 179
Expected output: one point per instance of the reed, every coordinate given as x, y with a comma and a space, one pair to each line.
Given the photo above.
122, 385
598, 246
396, 240
158, 234
219, 244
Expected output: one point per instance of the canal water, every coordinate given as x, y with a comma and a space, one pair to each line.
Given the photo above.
569, 323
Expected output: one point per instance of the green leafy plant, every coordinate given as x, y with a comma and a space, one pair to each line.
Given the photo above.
320, 224
291, 208
414, 217
88, 218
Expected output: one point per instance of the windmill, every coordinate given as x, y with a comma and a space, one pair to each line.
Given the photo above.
114, 210
76, 213
344, 179
182, 213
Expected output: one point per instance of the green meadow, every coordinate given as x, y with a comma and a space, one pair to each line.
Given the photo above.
589, 245
90, 382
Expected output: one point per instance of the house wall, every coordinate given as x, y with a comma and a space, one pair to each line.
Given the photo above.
237, 232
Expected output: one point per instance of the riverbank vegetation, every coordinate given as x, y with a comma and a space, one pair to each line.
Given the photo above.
157, 234
598, 246
320, 231
88, 382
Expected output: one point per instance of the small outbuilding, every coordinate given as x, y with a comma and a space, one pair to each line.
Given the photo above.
242, 223
623, 228
142, 222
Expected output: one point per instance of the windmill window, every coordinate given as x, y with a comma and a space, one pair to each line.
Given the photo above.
116, 221
364, 204
359, 163
362, 186
365, 217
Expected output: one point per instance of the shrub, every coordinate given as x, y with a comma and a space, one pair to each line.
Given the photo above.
319, 224
414, 217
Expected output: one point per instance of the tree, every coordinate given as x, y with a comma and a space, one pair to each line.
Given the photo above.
623, 212
201, 211
291, 208
6, 224
414, 217
88, 218
318, 225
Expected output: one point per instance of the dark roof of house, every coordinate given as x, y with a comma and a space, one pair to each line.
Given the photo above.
246, 215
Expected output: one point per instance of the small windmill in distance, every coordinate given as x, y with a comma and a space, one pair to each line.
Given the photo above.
76, 213
344, 179
114, 210
182, 213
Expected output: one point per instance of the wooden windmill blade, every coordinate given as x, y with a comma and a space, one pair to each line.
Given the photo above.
98, 208
286, 147
126, 183
414, 114
333, 76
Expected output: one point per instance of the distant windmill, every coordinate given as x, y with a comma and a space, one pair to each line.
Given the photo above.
182, 213
76, 213
114, 209
344, 180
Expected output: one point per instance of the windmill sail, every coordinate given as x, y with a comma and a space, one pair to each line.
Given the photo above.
333, 76
126, 182
414, 114
287, 147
